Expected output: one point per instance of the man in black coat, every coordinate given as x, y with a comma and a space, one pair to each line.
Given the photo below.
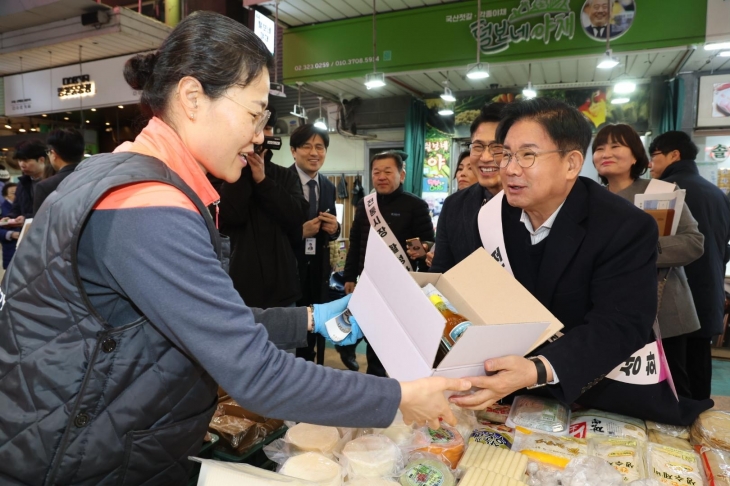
32, 157
309, 148
588, 256
673, 160
263, 213
65, 151
406, 215
457, 236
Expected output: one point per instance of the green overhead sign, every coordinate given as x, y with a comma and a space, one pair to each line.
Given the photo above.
444, 36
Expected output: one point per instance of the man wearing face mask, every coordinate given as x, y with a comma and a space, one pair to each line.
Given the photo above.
458, 236
406, 216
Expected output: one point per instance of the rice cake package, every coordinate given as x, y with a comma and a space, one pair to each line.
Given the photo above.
712, 430
669, 440
678, 431
496, 414
496, 435
716, 464
673, 466
585, 424
549, 449
502, 461
539, 414
624, 454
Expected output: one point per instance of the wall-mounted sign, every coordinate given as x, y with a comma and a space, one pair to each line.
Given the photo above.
719, 152
436, 170
19, 106
263, 27
713, 107
443, 36
76, 87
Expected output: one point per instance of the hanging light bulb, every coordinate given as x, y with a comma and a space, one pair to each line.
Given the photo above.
299, 110
478, 70
446, 111
375, 79
7, 124
528, 93
320, 122
624, 87
21, 129
620, 101
447, 95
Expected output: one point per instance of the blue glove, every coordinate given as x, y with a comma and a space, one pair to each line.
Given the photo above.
325, 312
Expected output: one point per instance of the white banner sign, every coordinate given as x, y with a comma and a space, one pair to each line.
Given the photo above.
68, 88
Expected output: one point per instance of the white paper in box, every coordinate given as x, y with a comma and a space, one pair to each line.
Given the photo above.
404, 327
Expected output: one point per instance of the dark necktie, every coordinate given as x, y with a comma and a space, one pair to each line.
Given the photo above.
312, 199
598, 31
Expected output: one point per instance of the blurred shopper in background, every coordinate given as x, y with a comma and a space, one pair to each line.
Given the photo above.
32, 157
65, 151
8, 236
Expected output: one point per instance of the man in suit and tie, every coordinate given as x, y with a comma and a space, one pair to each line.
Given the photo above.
458, 236
588, 256
598, 13
309, 149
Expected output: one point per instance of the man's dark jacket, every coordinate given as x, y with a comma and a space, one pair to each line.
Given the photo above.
23, 204
264, 222
316, 278
457, 235
408, 217
47, 186
706, 275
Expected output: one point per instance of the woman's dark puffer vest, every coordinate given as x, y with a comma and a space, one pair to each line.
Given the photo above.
82, 402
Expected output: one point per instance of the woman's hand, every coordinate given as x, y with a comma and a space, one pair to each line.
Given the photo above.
423, 401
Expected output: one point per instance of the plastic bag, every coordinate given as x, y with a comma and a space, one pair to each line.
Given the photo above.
716, 464
313, 438
507, 463
496, 414
372, 482
673, 466
539, 414
237, 473
673, 430
445, 443
238, 433
495, 435
645, 482
712, 430
669, 440
371, 456
588, 423
548, 449
540, 474
466, 421
426, 469
313, 467
624, 454
407, 437
590, 471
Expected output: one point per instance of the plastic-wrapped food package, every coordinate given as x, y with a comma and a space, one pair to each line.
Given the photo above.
481, 477
669, 440
313, 467
590, 471
313, 438
548, 449
372, 456
466, 421
716, 464
236, 432
496, 414
539, 414
372, 482
424, 471
588, 423
712, 429
398, 431
540, 474
673, 466
645, 482
678, 431
217, 472
502, 461
496, 435
447, 444
624, 454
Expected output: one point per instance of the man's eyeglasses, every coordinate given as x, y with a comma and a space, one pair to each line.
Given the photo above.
308, 147
525, 158
259, 121
478, 148
654, 154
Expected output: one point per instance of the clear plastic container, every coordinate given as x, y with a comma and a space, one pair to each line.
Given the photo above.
539, 414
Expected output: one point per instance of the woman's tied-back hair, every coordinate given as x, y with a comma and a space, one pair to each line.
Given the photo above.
212, 48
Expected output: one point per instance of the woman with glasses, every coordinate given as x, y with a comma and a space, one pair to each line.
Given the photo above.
118, 320
620, 159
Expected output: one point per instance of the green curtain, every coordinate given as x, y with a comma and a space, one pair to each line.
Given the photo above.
673, 108
415, 146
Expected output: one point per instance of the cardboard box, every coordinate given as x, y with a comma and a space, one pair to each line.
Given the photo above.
404, 327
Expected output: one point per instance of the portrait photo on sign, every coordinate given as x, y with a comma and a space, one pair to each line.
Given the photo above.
713, 105
599, 22
721, 100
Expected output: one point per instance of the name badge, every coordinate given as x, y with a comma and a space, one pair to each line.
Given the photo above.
310, 246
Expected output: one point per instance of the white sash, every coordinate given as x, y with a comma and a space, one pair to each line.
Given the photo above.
381, 227
647, 366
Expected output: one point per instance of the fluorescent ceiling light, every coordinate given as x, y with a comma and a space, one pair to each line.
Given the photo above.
375, 80
717, 46
724, 54
446, 111
607, 61
477, 71
624, 87
448, 96
320, 123
620, 101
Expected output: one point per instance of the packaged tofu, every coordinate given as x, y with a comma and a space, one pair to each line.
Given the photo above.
624, 454
673, 466
496, 435
539, 414
549, 449
716, 464
495, 414
712, 430
588, 423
